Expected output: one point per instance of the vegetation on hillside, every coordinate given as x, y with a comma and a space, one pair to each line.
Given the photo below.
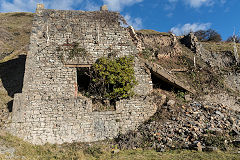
218, 47
15, 29
151, 32
231, 38
208, 35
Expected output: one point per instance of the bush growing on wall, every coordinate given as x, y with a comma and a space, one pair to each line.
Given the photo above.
112, 79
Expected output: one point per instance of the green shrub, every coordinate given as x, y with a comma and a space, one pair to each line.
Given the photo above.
112, 79
181, 95
147, 53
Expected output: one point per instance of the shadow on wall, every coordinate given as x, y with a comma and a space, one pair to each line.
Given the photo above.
12, 73
10, 106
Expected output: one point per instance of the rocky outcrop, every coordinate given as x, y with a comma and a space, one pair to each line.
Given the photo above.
161, 45
191, 42
231, 102
232, 81
222, 61
216, 59
135, 38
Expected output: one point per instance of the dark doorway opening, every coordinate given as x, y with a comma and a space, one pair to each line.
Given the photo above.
83, 78
160, 82
83, 82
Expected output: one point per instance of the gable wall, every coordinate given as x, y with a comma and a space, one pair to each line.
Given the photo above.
48, 109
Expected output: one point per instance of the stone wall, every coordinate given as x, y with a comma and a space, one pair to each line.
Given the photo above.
48, 109
72, 120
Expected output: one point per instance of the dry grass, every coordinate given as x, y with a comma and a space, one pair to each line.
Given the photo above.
220, 46
174, 155
27, 151
13, 56
152, 32
15, 29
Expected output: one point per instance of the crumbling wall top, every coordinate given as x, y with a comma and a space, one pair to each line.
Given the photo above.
104, 8
40, 6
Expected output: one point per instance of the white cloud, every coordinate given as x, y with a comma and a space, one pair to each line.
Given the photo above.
186, 28
17, 5
199, 3
135, 22
30, 5
118, 5
194, 3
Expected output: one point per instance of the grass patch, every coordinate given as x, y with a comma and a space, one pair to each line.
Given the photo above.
37, 152
75, 151
152, 32
15, 32
11, 56
173, 155
220, 46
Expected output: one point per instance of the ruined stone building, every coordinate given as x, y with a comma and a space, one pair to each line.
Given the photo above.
48, 109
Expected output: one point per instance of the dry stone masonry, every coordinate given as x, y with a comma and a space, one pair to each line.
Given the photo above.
48, 109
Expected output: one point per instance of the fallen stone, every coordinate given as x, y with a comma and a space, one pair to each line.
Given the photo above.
220, 114
199, 147
171, 103
188, 98
196, 104
160, 148
115, 151
163, 98
210, 149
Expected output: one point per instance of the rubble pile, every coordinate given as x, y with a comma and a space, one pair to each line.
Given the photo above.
195, 126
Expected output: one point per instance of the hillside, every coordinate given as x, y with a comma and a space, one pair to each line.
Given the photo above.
198, 105
15, 31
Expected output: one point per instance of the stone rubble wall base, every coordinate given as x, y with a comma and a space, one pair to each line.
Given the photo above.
72, 120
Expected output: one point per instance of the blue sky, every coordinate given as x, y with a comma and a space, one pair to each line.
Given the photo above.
179, 16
